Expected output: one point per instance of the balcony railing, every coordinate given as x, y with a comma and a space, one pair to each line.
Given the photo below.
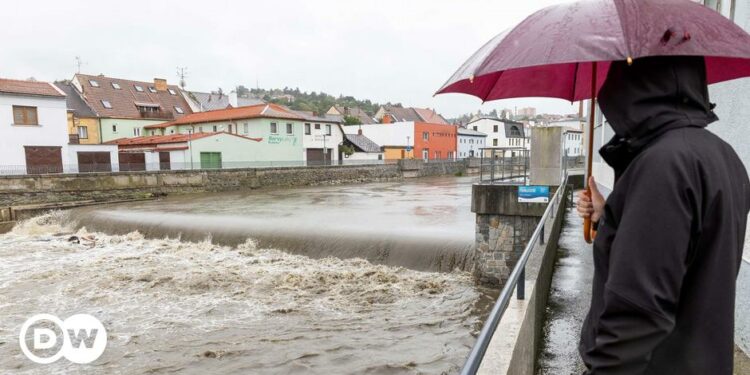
158, 114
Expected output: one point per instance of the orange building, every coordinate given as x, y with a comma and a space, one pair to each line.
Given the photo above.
434, 141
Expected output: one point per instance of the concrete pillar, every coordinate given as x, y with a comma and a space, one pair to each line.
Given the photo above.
410, 167
503, 228
546, 156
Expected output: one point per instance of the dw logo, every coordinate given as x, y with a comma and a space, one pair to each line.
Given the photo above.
81, 338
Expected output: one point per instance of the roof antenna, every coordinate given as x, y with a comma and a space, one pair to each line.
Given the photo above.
79, 63
182, 73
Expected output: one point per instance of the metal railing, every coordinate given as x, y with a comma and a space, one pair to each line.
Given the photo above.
516, 280
504, 165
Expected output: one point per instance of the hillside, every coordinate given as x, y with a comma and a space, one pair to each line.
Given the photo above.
318, 102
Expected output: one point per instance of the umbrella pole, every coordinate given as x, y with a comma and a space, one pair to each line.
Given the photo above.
588, 232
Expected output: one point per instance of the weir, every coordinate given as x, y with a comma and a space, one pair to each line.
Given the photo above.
421, 224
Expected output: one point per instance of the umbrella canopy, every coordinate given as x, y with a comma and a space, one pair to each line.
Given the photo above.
551, 53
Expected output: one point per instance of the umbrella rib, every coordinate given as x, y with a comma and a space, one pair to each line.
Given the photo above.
484, 97
575, 82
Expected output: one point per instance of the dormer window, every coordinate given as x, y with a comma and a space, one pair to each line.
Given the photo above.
179, 110
172, 92
93, 83
115, 85
138, 88
152, 89
107, 104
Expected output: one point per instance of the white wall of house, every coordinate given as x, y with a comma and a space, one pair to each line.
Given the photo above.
469, 145
73, 151
51, 131
359, 156
496, 136
317, 140
395, 134
574, 143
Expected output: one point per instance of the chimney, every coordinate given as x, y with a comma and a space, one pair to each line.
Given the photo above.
233, 99
160, 84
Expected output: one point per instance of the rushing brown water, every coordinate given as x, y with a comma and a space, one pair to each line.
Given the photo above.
174, 306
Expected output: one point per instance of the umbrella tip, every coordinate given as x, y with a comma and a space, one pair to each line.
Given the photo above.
630, 61
471, 78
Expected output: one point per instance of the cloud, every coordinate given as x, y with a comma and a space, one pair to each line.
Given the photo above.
387, 50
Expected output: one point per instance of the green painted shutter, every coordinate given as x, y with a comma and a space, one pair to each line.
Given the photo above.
210, 160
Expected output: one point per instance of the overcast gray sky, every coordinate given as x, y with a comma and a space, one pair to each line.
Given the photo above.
385, 50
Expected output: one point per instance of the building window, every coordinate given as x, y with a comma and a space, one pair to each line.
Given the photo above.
137, 132
307, 128
200, 129
425, 136
494, 142
138, 88
245, 129
172, 92
23, 115
114, 128
514, 131
215, 129
425, 154
83, 132
289, 128
152, 89
274, 128
317, 126
93, 83
328, 129
475, 128
230, 128
115, 85
494, 128
107, 104
179, 110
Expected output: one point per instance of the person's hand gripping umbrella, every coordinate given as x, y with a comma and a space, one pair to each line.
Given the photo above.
564, 51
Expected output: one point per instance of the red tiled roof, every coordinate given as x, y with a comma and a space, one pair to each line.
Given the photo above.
13, 86
254, 111
124, 99
170, 138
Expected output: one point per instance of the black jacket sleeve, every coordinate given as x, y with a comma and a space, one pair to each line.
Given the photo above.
647, 263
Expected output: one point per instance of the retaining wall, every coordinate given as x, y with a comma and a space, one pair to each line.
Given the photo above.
36, 189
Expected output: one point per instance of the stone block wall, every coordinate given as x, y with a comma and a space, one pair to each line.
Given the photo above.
500, 240
53, 188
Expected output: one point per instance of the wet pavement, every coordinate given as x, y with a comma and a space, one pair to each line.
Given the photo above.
570, 295
568, 303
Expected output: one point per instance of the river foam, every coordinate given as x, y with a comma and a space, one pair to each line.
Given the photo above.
196, 307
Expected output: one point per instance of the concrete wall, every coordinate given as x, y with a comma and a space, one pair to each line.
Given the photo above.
19, 190
546, 162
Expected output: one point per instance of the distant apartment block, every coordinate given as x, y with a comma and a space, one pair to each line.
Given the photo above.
391, 114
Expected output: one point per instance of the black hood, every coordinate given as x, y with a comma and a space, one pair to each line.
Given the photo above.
653, 95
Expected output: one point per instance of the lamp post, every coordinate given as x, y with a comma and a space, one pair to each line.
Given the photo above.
408, 148
325, 150
190, 143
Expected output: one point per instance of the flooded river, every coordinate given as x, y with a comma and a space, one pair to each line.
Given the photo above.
237, 300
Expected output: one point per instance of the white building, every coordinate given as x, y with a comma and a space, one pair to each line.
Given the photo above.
188, 151
573, 143
321, 139
469, 142
34, 131
501, 133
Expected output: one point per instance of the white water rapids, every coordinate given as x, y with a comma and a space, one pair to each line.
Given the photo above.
186, 307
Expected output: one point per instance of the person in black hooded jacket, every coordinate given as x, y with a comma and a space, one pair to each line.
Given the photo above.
670, 235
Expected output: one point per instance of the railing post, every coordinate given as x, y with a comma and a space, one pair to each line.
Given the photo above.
541, 234
521, 285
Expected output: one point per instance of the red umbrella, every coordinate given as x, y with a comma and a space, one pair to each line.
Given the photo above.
564, 51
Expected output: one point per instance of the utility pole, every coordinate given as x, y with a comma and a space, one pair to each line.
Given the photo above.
182, 73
